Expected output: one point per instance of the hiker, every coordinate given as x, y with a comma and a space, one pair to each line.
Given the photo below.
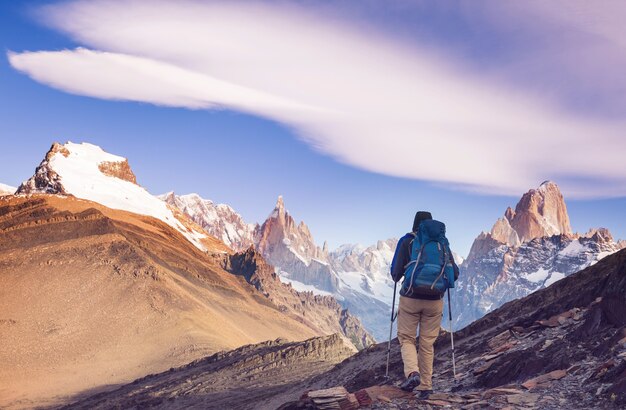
424, 259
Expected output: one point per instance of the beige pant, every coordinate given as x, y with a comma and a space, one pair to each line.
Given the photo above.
426, 314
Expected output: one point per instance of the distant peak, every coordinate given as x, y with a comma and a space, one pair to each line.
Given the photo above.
540, 212
167, 197
548, 184
280, 203
192, 195
279, 209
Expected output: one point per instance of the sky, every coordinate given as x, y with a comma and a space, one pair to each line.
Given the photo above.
358, 112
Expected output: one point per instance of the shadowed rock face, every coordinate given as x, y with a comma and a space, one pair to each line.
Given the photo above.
325, 311
45, 180
219, 220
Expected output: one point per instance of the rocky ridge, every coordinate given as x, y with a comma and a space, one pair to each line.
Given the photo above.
301, 305
219, 220
243, 378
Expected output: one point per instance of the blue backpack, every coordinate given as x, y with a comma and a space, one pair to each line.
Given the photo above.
430, 270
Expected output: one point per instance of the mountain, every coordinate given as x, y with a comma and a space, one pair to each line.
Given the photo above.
528, 249
355, 275
562, 347
291, 248
92, 296
87, 172
539, 213
7, 190
219, 220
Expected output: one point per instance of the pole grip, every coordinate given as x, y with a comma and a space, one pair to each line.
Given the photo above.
449, 306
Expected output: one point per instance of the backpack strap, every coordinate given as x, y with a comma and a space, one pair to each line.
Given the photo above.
413, 235
443, 265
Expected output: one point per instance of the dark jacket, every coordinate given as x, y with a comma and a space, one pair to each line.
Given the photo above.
401, 258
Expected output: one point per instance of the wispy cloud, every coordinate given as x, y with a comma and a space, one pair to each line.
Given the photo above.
352, 93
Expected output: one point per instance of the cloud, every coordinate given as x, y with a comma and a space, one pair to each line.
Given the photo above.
353, 93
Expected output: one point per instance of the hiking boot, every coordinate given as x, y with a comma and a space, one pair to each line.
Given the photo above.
423, 394
411, 382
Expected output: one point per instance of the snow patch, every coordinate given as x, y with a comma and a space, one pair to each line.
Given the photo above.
82, 178
378, 289
556, 276
301, 287
538, 276
7, 189
297, 255
574, 248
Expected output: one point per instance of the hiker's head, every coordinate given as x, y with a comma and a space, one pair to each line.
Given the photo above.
419, 217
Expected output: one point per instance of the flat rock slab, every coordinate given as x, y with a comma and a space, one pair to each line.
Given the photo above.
452, 398
390, 392
499, 391
523, 399
499, 339
544, 378
439, 403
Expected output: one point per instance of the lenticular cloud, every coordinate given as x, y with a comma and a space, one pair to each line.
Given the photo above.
353, 94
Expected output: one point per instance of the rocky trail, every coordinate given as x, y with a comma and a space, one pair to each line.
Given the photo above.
563, 347
242, 378
554, 349
543, 366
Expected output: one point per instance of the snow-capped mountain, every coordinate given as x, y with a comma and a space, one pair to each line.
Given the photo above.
357, 275
7, 189
530, 248
354, 274
87, 172
291, 248
219, 220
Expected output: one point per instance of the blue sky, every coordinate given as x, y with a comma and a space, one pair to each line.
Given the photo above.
249, 138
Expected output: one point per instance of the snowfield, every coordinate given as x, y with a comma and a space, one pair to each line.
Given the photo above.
81, 177
7, 189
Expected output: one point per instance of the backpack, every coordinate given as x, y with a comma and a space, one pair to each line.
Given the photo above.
430, 270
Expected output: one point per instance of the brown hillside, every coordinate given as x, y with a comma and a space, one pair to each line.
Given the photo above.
93, 297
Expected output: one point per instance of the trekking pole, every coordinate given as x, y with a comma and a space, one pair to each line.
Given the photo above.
393, 318
451, 334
